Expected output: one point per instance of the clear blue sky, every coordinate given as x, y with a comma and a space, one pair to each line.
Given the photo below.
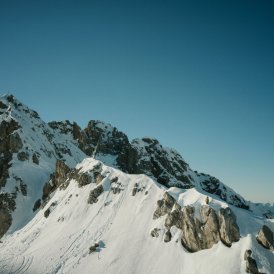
198, 75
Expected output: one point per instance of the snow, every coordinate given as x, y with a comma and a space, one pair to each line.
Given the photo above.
37, 137
122, 224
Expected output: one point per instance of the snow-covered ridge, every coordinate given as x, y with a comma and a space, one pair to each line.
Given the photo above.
30, 148
114, 232
29, 153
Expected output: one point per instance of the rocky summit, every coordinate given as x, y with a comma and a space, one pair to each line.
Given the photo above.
89, 200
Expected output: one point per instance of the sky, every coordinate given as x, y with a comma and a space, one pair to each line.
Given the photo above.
197, 75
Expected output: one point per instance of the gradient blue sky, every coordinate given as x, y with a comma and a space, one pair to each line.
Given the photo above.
198, 75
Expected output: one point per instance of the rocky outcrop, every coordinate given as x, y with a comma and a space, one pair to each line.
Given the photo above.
140, 156
155, 232
167, 236
251, 264
147, 156
164, 206
35, 159
7, 205
94, 194
49, 209
36, 205
265, 237
229, 230
57, 178
198, 233
10, 143
214, 186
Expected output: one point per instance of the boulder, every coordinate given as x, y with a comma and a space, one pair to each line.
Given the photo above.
167, 236
265, 237
229, 230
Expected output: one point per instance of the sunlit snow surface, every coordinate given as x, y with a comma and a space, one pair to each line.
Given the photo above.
122, 223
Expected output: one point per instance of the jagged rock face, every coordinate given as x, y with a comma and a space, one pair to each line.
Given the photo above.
105, 139
164, 206
57, 179
7, 205
66, 127
147, 156
199, 233
214, 186
94, 194
141, 156
10, 143
229, 230
265, 237
251, 264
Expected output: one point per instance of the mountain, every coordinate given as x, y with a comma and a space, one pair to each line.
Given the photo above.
90, 200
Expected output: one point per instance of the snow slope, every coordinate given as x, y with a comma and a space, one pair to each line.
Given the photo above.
121, 224
37, 138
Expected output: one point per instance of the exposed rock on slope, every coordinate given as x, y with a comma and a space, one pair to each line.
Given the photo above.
143, 156
199, 233
29, 149
62, 236
251, 264
265, 237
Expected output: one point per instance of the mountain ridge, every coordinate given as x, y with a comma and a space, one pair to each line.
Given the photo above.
43, 164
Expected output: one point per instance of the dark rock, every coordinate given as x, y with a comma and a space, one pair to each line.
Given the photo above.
35, 159
155, 232
23, 188
58, 178
37, 205
7, 205
15, 143
214, 186
135, 189
84, 179
251, 266
147, 156
23, 156
47, 212
265, 237
101, 138
94, 194
114, 180
2, 105
94, 248
247, 254
167, 236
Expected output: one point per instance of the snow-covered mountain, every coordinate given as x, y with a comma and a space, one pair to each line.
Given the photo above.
89, 200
